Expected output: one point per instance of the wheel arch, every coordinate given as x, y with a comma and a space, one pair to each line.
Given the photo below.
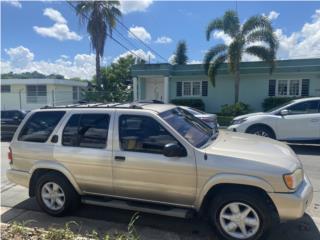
43, 167
262, 125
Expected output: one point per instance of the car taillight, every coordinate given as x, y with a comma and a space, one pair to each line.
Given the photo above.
10, 158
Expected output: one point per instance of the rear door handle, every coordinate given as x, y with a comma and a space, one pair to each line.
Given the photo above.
119, 158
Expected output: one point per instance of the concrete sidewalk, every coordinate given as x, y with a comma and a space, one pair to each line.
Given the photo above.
306, 228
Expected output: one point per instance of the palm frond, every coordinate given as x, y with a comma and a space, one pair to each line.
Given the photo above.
216, 24
265, 54
263, 35
256, 22
214, 66
212, 53
231, 23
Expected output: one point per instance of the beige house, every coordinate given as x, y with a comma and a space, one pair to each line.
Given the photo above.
28, 94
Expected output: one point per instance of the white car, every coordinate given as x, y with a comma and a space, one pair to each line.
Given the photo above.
209, 118
298, 120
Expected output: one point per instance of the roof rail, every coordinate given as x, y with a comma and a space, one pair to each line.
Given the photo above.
127, 105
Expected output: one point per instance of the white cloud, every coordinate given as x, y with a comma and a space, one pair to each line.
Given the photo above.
59, 30
224, 37
273, 15
15, 3
171, 58
139, 52
20, 56
54, 15
140, 32
127, 6
21, 59
163, 40
195, 62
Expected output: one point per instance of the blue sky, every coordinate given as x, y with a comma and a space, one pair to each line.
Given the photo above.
47, 37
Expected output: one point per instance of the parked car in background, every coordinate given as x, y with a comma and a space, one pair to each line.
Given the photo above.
157, 158
10, 120
208, 118
297, 120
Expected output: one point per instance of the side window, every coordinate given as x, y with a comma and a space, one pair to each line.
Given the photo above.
39, 126
86, 130
305, 108
143, 134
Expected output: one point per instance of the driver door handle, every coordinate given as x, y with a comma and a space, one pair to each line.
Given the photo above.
119, 158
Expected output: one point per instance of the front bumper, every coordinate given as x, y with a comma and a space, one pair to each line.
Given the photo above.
291, 206
18, 177
237, 128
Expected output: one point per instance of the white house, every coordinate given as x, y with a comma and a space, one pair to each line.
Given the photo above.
28, 94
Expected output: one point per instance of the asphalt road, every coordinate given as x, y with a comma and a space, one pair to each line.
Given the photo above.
17, 197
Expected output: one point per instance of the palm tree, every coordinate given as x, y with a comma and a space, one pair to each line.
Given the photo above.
180, 56
100, 18
255, 37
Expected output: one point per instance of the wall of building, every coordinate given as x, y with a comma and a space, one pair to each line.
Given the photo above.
17, 98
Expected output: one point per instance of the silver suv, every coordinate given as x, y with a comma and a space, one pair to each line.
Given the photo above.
123, 155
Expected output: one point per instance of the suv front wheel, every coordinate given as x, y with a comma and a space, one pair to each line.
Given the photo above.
55, 194
241, 215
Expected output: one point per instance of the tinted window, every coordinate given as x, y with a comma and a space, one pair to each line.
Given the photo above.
11, 114
191, 128
304, 107
39, 126
86, 130
143, 134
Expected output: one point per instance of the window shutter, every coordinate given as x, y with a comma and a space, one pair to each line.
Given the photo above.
204, 88
272, 88
179, 89
305, 87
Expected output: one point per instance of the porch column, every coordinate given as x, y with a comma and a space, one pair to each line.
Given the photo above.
135, 89
166, 89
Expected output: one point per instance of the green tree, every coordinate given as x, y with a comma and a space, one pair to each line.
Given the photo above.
100, 18
180, 57
245, 39
115, 80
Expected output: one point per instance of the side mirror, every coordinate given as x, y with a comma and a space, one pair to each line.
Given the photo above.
174, 150
284, 112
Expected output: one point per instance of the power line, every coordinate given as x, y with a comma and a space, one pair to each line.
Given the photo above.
133, 34
110, 36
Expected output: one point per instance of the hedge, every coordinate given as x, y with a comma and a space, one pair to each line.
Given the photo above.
272, 102
190, 102
224, 121
234, 109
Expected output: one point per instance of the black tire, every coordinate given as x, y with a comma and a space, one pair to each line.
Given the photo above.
261, 131
266, 213
71, 199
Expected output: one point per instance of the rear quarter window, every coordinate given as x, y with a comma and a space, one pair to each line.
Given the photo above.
39, 126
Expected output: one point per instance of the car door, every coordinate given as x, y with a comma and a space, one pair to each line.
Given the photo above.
141, 171
85, 150
301, 123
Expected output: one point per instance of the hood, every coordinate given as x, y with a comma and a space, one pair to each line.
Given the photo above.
249, 115
253, 152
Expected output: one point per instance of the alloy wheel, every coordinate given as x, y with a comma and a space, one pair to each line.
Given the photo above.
53, 196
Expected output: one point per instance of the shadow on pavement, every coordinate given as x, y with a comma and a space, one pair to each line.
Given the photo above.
302, 229
306, 149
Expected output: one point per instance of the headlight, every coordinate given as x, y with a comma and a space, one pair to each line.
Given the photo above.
238, 121
294, 179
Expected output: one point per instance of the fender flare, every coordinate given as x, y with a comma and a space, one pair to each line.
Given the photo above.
52, 165
231, 178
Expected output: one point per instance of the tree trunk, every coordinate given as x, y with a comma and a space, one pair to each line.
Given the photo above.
98, 70
237, 86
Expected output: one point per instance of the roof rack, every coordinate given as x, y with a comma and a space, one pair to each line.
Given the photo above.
126, 105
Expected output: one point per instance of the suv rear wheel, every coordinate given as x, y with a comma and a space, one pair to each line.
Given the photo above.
241, 215
55, 194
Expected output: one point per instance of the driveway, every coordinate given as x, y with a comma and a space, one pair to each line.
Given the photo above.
18, 206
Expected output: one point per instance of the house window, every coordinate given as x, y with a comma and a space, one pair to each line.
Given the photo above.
288, 88
75, 94
5, 88
36, 94
190, 88
283, 87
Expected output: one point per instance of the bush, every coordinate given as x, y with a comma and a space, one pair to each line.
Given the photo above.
272, 102
191, 102
234, 109
224, 121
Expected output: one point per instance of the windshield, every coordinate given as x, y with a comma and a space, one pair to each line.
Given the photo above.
278, 107
191, 128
